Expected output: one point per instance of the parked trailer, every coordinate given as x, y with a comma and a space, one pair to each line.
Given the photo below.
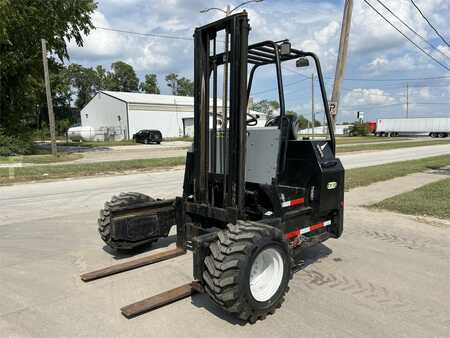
432, 126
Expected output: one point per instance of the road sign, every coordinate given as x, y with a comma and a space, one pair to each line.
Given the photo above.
333, 108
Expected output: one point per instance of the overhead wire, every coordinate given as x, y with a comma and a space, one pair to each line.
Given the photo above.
406, 37
429, 23
412, 30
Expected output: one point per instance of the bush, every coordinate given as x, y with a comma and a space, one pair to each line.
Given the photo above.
359, 129
15, 145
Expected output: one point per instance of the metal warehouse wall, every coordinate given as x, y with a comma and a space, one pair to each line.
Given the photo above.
106, 115
163, 118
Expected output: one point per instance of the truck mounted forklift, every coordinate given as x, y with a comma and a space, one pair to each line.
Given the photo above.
252, 199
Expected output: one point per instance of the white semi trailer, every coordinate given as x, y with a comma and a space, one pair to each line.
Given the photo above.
432, 126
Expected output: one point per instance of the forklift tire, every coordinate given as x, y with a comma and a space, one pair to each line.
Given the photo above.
248, 270
104, 221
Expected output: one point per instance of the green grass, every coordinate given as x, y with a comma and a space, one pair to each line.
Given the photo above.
182, 138
41, 159
34, 173
387, 146
94, 144
367, 139
365, 176
353, 177
430, 200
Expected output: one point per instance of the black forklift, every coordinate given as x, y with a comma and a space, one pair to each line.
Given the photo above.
252, 197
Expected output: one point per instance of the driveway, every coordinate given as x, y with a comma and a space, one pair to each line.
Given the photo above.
387, 276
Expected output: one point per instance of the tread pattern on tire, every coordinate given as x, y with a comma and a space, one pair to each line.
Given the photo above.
223, 266
117, 201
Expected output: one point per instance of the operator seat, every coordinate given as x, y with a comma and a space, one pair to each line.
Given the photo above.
292, 125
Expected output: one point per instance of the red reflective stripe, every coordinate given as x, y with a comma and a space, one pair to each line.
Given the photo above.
305, 230
297, 201
293, 234
316, 226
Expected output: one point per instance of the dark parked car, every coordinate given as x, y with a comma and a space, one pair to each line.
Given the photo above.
148, 136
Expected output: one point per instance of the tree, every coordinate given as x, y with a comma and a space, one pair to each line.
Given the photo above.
266, 107
185, 87
359, 128
292, 113
122, 77
180, 86
23, 25
150, 84
86, 81
303, 122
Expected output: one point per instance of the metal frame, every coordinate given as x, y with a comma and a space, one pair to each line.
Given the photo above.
200, 213
234, 127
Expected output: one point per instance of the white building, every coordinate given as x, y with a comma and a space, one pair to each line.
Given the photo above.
341, 129
119, 115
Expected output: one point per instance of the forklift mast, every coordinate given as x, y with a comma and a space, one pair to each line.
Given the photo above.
238, 55
236, 28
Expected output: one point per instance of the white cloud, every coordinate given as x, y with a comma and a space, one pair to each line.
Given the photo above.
376, 49
99, 43
366, 97
384, 64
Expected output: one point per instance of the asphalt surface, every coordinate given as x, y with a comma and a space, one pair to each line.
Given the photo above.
350, 160
370, 158
387, 276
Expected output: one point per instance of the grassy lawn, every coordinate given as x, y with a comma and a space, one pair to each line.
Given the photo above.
430, 200
353, 178
359, 177
92, 144
387, 146
367, 139
40, 159
35, 173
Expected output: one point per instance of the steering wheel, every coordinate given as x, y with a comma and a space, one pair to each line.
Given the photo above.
252, 120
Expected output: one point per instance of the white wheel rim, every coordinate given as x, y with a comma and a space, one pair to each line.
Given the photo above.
266, 274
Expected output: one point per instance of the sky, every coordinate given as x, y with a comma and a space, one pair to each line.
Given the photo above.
381, 62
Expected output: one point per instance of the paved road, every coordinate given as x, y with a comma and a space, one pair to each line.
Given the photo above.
387, 276
369, 158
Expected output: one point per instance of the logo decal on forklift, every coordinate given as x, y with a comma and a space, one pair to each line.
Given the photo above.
331, 185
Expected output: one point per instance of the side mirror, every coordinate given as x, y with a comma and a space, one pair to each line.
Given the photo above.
285, 48
302, 62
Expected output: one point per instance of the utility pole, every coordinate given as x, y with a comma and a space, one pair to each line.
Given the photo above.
51, 116
342, 56
313, 114
407, 100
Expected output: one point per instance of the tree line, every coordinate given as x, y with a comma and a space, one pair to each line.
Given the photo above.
23, 107
269, 107
84, 82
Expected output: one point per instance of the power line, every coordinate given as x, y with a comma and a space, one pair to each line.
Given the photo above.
276, 88
370, 94
406, 37
372, 105
425, 103
165, 36
430, 24
161, 36
393, 80
412, 30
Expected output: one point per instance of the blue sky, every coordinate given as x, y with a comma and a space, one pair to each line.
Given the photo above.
377, 51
